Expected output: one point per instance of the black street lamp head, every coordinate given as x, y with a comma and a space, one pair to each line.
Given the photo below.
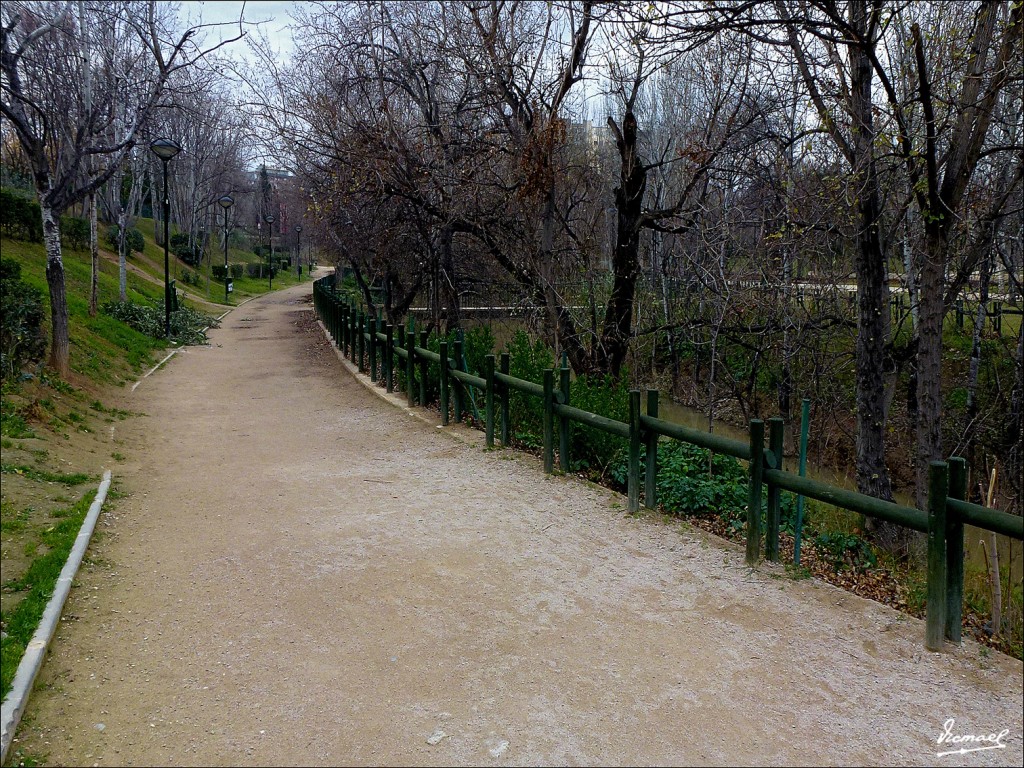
225, 201
165, 149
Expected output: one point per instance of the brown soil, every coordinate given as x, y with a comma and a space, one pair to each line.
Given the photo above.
302, 573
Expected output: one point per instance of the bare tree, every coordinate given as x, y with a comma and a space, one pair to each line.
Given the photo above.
63, 133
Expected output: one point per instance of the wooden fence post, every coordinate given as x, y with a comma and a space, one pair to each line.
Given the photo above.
410, 367
400, 344
444, 383
935, 621
489, 401
633, 479
357, 325
504, 401
361, 339
371, 329
388, 363
651, 462
563, 421
548, 408
756, 469
424, 368
458, 388
955, 551
776, 435
350, 333
344, 330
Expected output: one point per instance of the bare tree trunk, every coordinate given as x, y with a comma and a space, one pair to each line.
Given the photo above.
872, 290
122, 256
94, 252
94, 249
59, 338
629, 195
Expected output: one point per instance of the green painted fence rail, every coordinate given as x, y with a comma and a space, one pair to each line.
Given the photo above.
520, 385
468, 378
618, 428
910, 517
987, 518
708, 440
372, 346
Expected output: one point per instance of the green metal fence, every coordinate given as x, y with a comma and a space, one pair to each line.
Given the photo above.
373, 347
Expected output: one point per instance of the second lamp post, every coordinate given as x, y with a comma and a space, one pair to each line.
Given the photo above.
226, 201
166, 149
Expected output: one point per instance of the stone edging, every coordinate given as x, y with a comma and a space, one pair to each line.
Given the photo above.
21, 687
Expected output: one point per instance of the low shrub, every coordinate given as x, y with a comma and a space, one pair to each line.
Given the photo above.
187, 325
527, 360
191, 256
257, 270
188, 277
178, 241
593, 451
20, 217
846, 550
74, 233
133, 238
22, 335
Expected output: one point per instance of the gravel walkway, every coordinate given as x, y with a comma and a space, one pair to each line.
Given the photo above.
300, 573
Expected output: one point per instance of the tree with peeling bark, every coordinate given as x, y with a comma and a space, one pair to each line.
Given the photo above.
64, 108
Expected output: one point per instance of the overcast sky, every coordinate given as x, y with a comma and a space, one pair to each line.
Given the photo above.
272, 16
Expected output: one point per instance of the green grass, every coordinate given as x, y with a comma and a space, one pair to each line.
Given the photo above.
12, 422
76, 478
12, 519
38, 582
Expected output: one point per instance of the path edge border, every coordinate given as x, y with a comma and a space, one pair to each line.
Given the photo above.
14, 704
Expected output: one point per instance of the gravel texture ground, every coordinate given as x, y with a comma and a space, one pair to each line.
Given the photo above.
301, 573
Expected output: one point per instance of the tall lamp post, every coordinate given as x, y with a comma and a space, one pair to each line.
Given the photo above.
166, 149
270, 248
298, 249
225, 202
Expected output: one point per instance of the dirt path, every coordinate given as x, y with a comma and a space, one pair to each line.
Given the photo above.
301, 573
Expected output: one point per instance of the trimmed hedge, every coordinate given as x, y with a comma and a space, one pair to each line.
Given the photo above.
235, 270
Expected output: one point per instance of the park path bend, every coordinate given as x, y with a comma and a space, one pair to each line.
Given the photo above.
300, 573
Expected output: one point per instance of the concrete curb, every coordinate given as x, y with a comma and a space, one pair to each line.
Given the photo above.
14, 704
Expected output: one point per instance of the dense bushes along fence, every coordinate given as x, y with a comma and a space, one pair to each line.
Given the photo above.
375, 347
